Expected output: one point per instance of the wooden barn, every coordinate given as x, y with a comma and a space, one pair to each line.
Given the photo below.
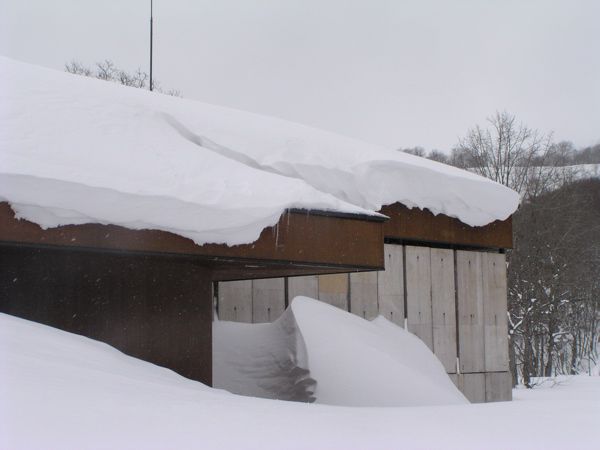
130, 217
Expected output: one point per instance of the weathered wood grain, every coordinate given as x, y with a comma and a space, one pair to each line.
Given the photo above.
418, 293
473, 387
268, 299
363, 294
333, 289
390, 285
494, 307
235, 301
307, 286
443, 303
470, 311
498, 387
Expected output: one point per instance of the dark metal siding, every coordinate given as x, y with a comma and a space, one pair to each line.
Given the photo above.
155, 308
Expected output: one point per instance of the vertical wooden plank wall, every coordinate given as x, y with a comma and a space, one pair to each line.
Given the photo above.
418, 293
443, 306
333, 289
469, 292
473, 386
390, 285
498, 386
498, 381
235, 301
483, 328
495, 307
363, 295
268, 299
441, 285
251, 301
307, 286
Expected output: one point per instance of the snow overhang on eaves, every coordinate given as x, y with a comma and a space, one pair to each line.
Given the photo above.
301, 243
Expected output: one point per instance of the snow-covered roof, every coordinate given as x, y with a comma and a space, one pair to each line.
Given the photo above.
78, 150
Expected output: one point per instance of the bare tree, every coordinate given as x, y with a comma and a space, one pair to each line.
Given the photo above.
106, 70
438, 156
510, 153
417, 151
77, 68
588, 155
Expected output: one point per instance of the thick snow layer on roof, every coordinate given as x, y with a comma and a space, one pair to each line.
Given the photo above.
360, 173
78, 150
61, 390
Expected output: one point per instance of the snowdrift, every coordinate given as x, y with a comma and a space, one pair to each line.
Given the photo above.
354, 362
357, 362
266, 360
60, 390
77, 150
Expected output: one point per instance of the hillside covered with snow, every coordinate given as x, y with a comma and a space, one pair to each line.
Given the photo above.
77, 150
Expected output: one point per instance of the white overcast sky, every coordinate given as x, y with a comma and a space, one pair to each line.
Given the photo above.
399, 73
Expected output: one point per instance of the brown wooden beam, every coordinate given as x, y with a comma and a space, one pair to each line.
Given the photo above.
299, 238
234, 272
422, 226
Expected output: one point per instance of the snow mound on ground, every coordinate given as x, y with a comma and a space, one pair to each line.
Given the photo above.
266, 360
353, 361
369, 363
60, 390
77, 150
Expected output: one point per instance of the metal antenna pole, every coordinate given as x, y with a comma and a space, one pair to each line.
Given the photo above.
151, 85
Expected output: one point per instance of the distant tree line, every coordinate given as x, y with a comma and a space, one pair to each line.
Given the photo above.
563, 154
108, 71
554, 268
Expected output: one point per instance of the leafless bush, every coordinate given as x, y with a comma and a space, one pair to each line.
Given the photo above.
106, 70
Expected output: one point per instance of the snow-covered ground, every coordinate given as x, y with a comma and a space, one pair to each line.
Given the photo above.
62, 391
582, 171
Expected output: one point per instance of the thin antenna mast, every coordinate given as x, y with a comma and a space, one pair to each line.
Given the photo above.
151, 85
